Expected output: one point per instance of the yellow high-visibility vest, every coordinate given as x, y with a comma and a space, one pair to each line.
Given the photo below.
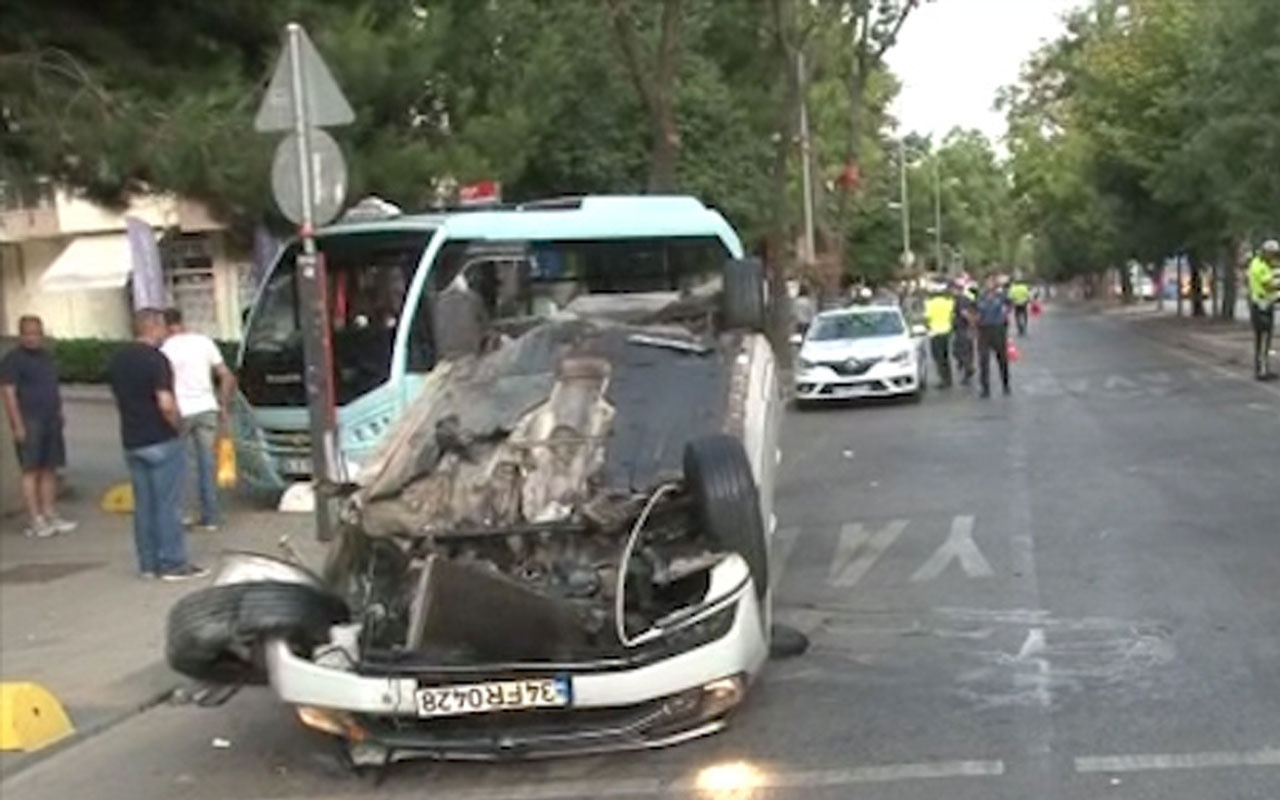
938, 312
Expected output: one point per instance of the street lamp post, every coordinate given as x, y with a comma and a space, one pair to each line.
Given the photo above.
906, 206
937, 214
806, 164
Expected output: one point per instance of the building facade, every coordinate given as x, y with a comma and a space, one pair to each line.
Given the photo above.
69, 261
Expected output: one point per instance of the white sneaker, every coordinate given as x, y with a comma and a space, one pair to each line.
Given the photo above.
39, 529
60, 525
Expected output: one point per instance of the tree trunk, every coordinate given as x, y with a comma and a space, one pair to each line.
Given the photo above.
1230, 285
853, 146
666, 151
655, 84
787, 88
1126, 285
1197, 285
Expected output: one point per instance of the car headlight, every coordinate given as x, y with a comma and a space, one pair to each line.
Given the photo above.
901, 358
806, 363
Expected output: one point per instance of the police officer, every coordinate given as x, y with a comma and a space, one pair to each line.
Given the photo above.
962, 331
1263, 287
938, 312
991, 316
1020, 296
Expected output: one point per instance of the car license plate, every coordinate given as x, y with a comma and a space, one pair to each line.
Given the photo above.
295, 466
483, 698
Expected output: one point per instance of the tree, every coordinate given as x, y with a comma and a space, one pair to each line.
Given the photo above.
870, 28
655, 83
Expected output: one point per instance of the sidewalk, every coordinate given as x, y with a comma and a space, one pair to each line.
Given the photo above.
1228, 341
74, 615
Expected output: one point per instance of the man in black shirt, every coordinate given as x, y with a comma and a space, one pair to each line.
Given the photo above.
142, 382
33, 404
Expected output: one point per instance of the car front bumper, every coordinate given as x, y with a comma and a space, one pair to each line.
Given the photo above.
622, 705
882, 380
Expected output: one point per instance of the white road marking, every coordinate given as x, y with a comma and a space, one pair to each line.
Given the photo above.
1033, 652
1269, 757
757, 777
859, 549
1118, 382
959, 546
888, 773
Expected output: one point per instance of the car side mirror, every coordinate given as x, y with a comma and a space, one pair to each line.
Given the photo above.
919, 330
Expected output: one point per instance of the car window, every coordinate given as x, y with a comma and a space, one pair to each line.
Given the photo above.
864, 325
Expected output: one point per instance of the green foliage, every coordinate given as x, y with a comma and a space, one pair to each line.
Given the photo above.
118, 97
82, 360
1145, 130
85, 360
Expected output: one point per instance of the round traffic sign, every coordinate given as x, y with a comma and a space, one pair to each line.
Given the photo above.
328, 178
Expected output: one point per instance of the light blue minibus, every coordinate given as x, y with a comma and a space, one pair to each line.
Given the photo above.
383, 271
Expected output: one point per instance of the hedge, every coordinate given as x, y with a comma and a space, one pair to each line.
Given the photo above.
85, 360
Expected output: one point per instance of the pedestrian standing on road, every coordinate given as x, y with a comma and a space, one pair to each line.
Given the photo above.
938, 312
803, 310
1020, 297
1263, 286
196, 361
33, 405
991, 316
963, 332
142, 384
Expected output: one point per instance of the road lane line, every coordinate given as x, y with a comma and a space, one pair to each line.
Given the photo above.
1033, 726
958, 546
844, 573
753, 778
831, 778
1269, 757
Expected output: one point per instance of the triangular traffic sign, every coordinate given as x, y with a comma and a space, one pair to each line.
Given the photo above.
325, 104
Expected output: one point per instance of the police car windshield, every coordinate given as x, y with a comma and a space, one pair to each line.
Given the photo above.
857, 325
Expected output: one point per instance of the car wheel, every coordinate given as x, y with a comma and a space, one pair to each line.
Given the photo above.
744, 295
727, 502
213, 634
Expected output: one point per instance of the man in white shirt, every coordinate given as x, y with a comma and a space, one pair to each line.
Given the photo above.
196, 360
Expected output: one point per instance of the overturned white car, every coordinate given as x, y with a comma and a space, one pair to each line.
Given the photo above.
563, 547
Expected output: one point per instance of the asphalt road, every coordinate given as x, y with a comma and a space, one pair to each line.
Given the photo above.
1069, 594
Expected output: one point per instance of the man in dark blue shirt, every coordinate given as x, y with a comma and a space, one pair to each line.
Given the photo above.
991, 316
33, 404
962, 332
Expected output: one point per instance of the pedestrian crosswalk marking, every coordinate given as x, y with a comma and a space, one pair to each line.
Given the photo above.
859, 548
958, 546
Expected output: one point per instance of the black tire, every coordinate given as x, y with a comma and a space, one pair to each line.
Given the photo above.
214, 635
744, 295
786, 642
726, 501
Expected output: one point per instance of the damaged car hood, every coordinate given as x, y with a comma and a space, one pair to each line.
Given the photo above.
571, 421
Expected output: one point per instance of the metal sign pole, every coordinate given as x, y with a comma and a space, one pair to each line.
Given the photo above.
313, 317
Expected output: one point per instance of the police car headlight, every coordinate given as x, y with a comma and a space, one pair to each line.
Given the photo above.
903, 357
806, 363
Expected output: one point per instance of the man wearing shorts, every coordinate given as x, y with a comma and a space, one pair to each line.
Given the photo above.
33, 405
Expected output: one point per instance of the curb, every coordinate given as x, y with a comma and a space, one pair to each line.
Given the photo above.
25, 761
1189, 341
85, 393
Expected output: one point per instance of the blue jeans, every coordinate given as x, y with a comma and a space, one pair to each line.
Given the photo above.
156, 472
201, 431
